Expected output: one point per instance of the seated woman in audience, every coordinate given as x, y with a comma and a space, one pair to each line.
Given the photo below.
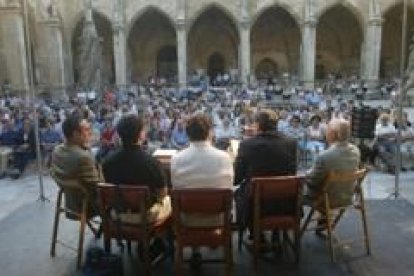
179, 138
49, 138
315, 136
385, 141
407, 143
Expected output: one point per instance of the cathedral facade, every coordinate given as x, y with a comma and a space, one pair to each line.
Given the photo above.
173, 39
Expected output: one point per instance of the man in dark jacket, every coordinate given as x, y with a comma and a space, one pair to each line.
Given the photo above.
131, 165
269, 153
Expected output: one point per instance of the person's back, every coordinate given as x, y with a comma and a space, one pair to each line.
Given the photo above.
131, 165
270, 153
341, 156
201, 166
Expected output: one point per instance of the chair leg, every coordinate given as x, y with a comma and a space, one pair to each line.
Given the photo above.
82, 232
338, 217
179, 259
229, 257
329, 230
56, 225
256, 245
365, 224
297, 245
240, 239
306, 223
147, 261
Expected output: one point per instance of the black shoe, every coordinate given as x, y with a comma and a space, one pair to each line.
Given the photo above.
196, 261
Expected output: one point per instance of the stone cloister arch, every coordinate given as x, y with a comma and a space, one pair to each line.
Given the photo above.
152, 47
214, 33
339, 38
275, 38
391, 39
104, 29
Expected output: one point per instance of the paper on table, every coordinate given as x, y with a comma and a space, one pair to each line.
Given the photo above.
164, 153
234, 146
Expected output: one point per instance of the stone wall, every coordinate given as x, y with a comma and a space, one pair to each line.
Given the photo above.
343, 37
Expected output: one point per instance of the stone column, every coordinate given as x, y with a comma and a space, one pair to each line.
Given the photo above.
244, 53
373, 51
119, 44
14, 47
55, 56
308, 53
182, 53
120, 55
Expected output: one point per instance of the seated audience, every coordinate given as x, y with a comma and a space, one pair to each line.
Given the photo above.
315, 135
72, 162
49, 138
25, 148
407, 143
385, 141
131, 165
179, 138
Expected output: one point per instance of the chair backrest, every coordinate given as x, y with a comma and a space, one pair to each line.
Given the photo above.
69, 185
201, 202
340, 186
277, 188
134, 199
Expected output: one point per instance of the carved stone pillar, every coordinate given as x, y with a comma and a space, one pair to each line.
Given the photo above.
308, 53
373, 50
55, 56
244, 52
182, 53
119, 44
14, 47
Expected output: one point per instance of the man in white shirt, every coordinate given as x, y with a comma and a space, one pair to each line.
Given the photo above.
201, 166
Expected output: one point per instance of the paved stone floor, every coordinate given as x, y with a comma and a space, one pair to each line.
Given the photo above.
26, 223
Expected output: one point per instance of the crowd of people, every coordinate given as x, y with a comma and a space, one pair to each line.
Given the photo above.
165, 111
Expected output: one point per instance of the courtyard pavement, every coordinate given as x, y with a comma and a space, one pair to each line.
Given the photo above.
26, 224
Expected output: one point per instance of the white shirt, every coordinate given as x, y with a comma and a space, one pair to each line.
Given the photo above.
223, 132
383, 130
202, 166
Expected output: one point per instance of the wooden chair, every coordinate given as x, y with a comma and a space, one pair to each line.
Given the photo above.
332, 207
65, 188
202, 203
135, 200
286, 189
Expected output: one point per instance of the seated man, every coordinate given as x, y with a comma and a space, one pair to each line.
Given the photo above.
73, 162
131, 165
269, 153
340, 156
201, 166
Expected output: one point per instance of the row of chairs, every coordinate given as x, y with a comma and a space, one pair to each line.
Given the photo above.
210, 202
